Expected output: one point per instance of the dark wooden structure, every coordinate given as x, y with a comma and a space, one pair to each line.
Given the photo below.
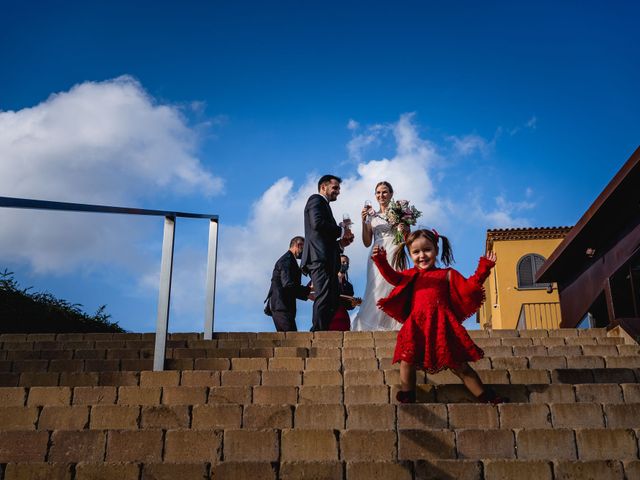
597, 266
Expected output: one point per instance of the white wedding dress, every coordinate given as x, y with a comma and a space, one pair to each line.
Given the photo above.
370, 317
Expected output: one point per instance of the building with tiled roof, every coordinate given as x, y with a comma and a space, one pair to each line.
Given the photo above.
514, 299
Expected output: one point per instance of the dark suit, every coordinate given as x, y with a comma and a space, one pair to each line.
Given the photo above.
321, 258
286, 286
346, 288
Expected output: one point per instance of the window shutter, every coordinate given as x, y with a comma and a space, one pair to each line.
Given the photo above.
538, 261
527, 268
525, 276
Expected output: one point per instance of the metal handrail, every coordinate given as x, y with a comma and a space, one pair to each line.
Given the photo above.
166, 266
81, 207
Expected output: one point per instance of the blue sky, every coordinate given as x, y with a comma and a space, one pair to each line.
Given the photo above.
497, 114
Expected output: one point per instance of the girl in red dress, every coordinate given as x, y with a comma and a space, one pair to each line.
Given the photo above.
431, 303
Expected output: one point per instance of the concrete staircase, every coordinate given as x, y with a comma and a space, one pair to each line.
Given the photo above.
314, 406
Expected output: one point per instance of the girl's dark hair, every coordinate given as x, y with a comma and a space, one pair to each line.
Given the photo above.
386, 184
402, 253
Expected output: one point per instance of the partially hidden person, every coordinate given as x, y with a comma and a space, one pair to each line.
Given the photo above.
341, 320
286, 287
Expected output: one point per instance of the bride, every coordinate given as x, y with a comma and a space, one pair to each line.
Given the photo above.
376, 230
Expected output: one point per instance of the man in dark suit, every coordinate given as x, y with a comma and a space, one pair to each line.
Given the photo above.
286, 286
324, 241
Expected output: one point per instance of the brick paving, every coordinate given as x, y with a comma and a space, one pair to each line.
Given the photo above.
304, 405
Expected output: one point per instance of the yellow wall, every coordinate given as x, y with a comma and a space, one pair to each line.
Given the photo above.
504, 300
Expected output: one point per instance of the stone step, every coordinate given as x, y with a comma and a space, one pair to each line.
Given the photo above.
301, 342
314, 405
536, 362
34, 360
314, 377
64, 337
97, 348
485, 469
317, 445
144, 410
493, 338
323, 372
154, 394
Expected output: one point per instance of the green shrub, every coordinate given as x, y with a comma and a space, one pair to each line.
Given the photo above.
25, 312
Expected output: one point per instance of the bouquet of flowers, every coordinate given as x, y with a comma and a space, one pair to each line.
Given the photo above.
401, 216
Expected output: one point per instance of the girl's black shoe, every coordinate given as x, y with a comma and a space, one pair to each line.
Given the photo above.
490, 396
406, 397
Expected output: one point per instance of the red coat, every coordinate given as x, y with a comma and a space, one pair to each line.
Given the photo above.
466, 294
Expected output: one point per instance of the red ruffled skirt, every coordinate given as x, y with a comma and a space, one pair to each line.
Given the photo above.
435, 340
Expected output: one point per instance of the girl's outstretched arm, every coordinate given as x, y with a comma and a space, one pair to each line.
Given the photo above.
467, 294
486, 263
379, 257
491, 256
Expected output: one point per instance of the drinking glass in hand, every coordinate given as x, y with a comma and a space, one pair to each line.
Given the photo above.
346, 220
370, 211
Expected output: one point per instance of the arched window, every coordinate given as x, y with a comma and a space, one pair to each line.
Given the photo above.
527, 268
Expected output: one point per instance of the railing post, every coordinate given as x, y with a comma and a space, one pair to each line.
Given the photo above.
164, 295
210, 289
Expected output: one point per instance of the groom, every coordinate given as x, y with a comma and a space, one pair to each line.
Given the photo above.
324, 241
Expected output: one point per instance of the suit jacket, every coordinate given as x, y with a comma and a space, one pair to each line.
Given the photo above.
346, 288
286, 285
321, 233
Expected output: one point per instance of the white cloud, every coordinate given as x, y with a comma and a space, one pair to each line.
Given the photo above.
360, 142
110, 143
530, 124
100, 142
352, 124
468, 144
249, 251
505, 214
